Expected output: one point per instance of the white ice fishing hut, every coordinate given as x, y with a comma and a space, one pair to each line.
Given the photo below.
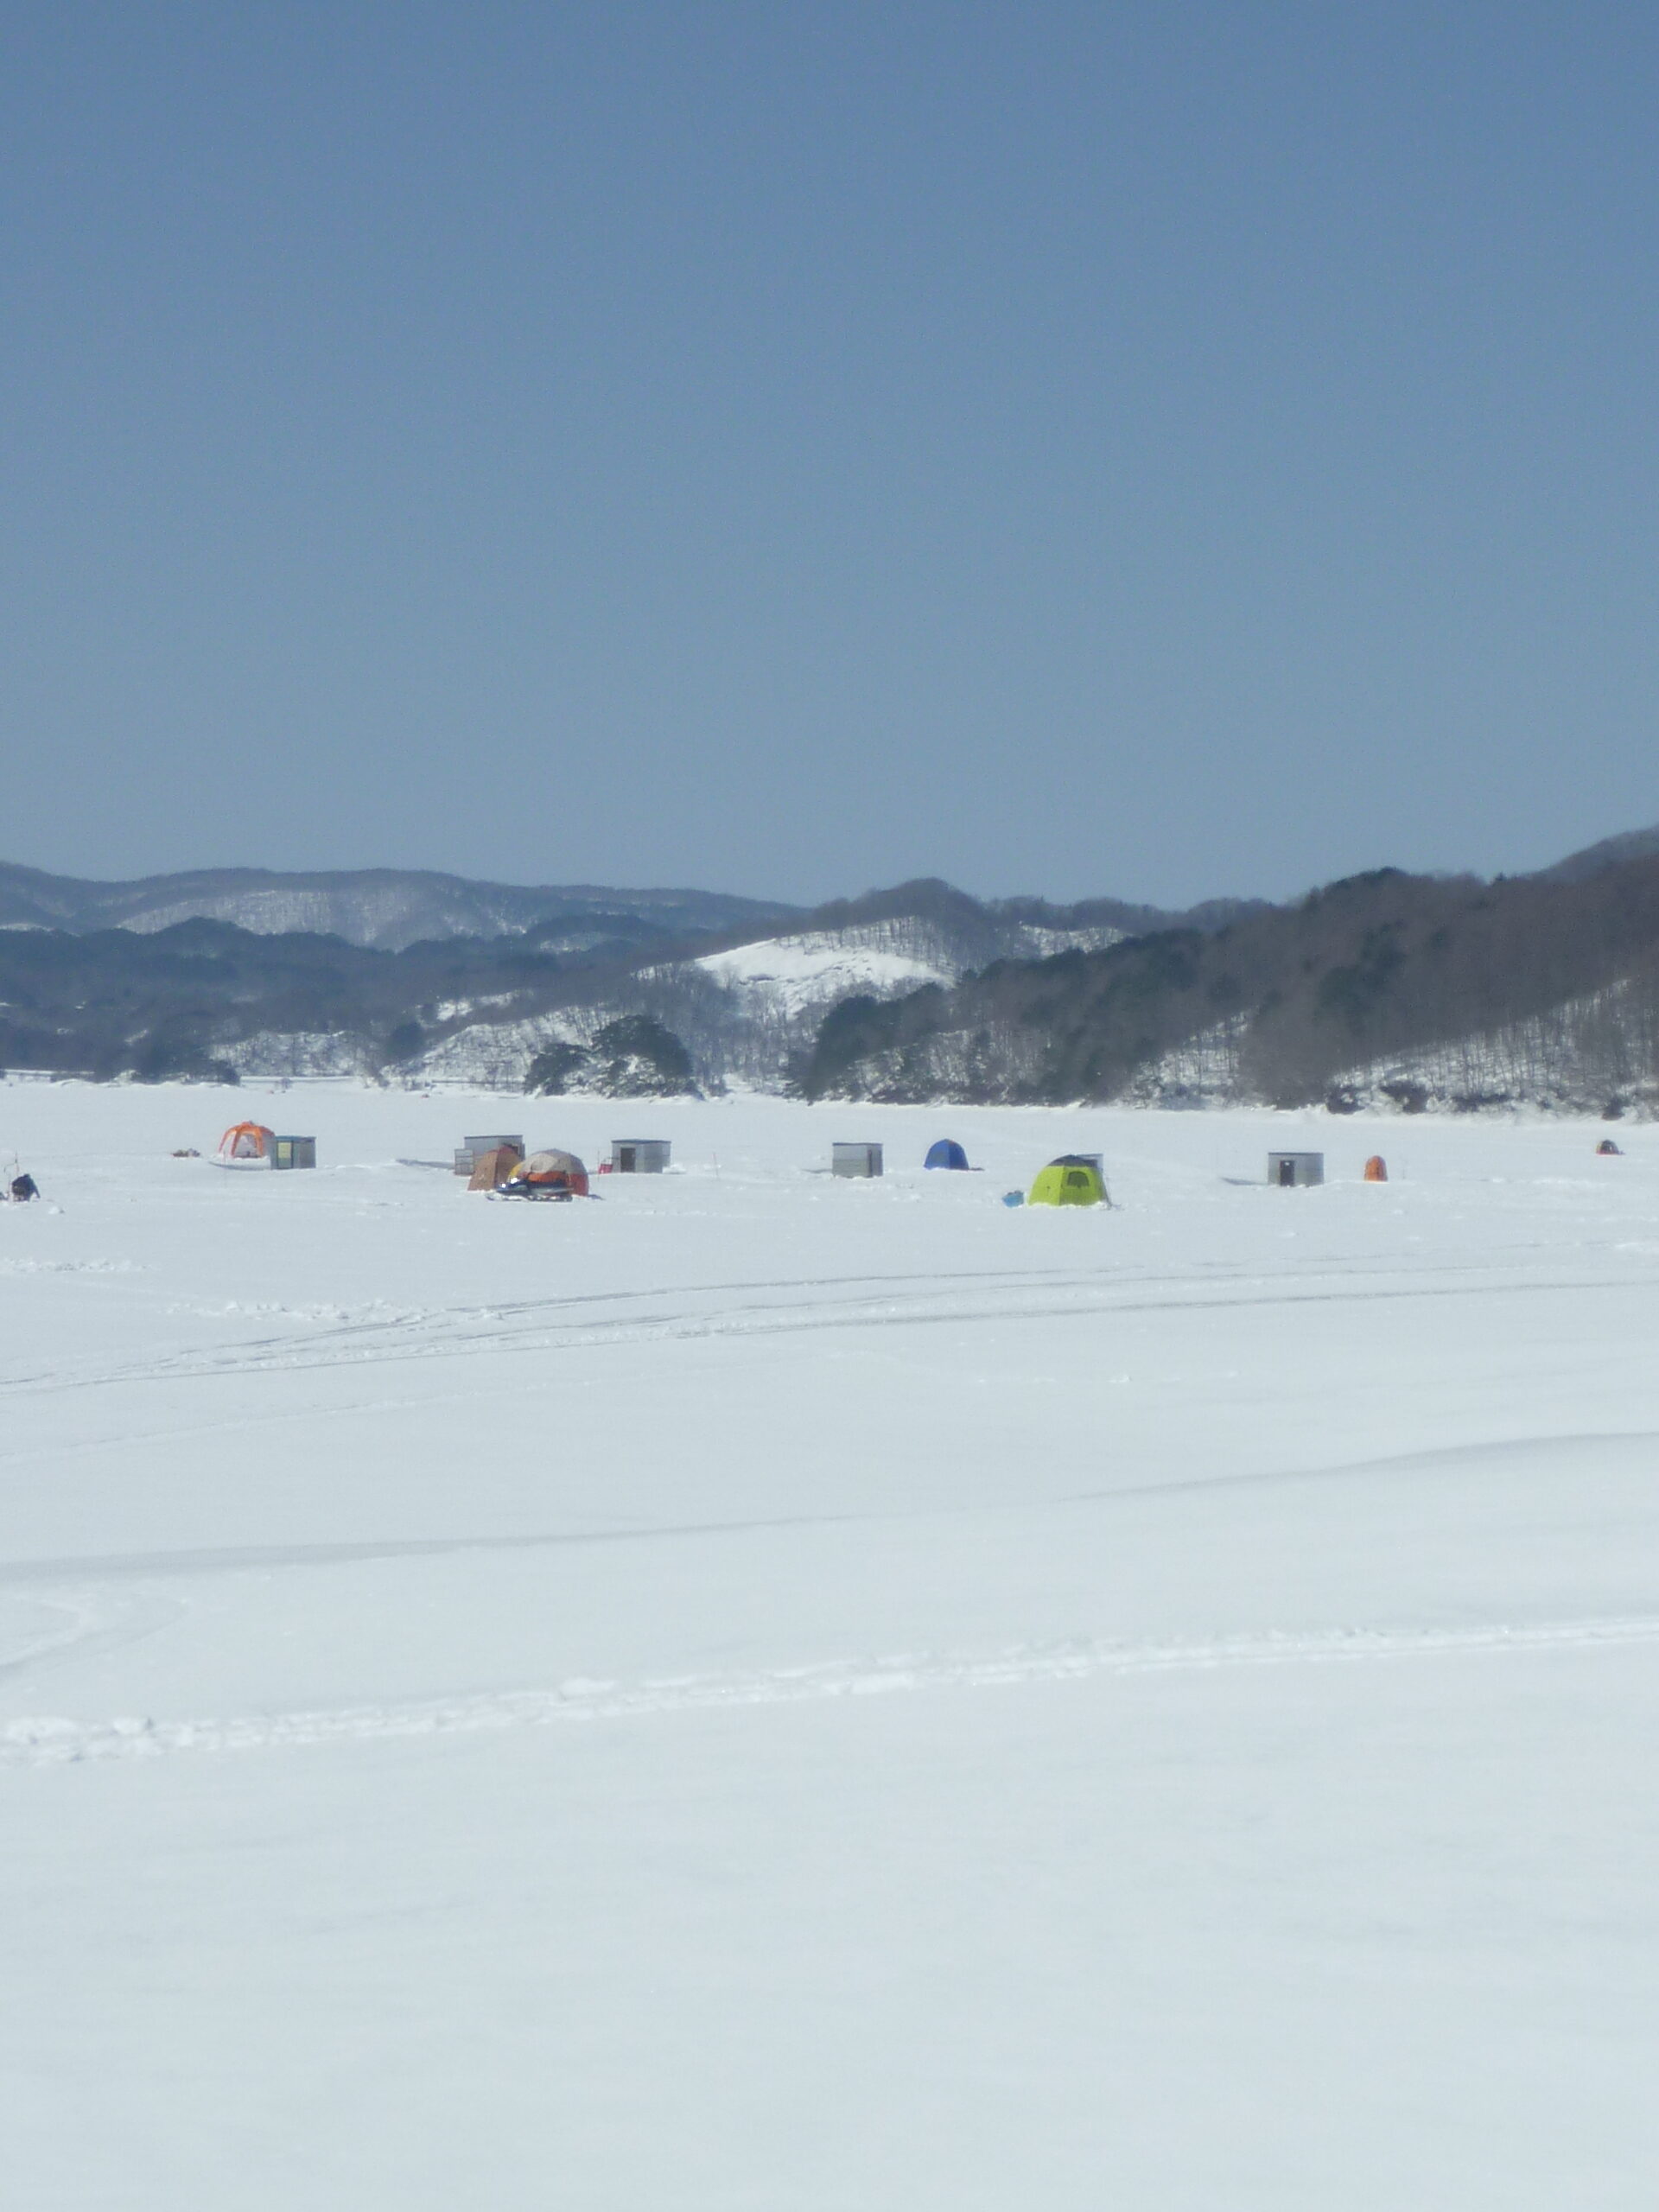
1295, 1171
639, 1155
855, 1159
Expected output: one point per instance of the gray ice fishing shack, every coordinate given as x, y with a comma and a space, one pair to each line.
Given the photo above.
639, 1155
1295, 1171
855, 1159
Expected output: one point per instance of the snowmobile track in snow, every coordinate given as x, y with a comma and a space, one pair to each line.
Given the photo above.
51, 1741
567, 1322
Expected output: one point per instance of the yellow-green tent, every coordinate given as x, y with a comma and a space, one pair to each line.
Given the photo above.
1070, 1180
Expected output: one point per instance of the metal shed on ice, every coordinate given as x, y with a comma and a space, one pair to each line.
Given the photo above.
1295, 1171
639, 1155
855, 1159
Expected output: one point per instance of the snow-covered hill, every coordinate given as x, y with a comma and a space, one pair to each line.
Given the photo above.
790, 975
806, 973
748, 1014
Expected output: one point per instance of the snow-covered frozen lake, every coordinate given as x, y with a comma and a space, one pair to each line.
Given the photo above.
770, 1694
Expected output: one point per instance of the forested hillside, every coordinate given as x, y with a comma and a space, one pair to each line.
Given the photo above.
1389, 985
201, 996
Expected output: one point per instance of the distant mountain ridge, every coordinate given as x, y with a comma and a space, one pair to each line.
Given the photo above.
390, 909
1385, 985
1610, 852
387, 908
431, 977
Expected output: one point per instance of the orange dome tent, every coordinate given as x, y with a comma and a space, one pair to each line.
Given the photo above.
1376, 1169
248, 1144
548, 1174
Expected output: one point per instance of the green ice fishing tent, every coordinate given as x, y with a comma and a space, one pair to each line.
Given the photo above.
1070, 1180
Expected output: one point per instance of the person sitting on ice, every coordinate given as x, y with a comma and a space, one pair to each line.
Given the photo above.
22, 1188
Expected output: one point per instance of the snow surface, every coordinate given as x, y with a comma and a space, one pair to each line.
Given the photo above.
808, 1696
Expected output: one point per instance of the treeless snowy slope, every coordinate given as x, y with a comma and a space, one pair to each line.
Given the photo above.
792, 975
776, 1692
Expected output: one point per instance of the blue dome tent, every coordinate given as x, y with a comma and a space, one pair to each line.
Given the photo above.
946, 1154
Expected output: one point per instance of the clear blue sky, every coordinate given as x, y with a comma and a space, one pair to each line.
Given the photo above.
1159, 449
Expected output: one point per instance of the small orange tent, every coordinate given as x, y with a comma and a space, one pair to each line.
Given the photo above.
1376, 1169
248, 1144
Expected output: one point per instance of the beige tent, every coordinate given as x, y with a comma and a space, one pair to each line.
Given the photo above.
493, 1168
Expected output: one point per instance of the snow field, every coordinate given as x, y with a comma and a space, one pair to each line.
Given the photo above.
767, 1692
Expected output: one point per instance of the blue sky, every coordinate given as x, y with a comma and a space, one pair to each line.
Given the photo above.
1156, 449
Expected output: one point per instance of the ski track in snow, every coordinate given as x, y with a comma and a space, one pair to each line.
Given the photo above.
47, 1740
464, 1332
